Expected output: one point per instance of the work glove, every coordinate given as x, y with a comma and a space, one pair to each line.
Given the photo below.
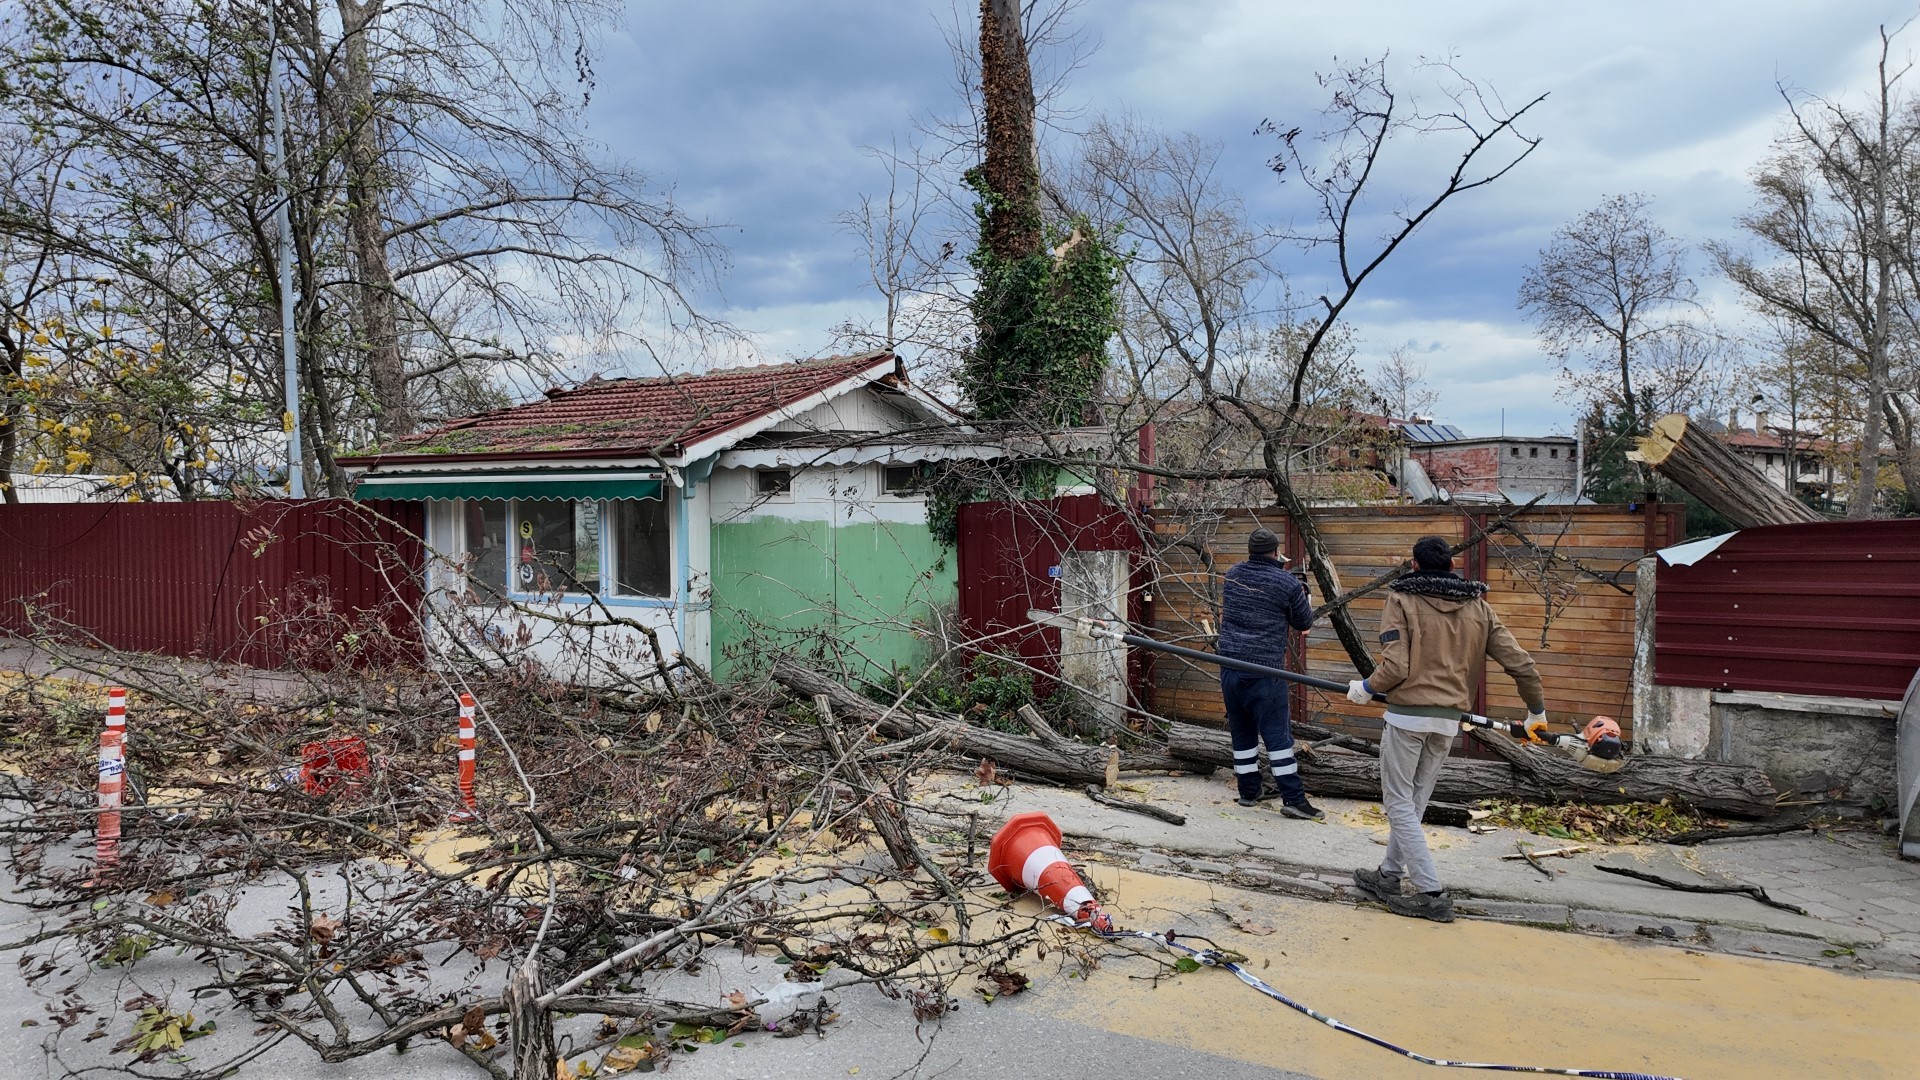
1537, 726
1358, 693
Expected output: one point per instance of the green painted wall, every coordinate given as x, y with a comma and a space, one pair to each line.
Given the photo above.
858, 589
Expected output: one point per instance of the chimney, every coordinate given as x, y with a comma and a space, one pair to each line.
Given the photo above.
1760, 423
1733, 418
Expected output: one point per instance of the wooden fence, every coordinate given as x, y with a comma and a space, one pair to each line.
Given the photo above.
1561, 578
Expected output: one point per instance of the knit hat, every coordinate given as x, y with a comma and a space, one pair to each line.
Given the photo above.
1262, 542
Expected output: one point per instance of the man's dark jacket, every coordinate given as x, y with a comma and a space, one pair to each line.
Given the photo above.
1257, 604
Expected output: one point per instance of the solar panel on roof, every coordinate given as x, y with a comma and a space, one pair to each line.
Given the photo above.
1431, 433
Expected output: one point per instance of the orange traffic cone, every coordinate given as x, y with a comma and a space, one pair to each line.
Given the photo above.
1025, 856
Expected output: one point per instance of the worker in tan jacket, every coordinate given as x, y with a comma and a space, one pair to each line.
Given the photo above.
1435, 639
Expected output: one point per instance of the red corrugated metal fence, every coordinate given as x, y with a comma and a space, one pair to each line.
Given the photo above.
1827, 608
269, 584
1010, 561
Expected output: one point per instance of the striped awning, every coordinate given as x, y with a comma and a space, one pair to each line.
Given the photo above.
510, 485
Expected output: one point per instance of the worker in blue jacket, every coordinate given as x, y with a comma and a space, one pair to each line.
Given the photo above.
1259, 602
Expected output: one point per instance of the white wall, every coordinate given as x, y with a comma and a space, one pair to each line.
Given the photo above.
862, 410
556, 633
845, 494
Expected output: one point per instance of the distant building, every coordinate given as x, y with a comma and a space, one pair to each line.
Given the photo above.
1512, 468
1796, 462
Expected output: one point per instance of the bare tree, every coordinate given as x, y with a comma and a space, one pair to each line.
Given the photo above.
1366, 118
1401, 385
450, 219
1611, 299
1832, 221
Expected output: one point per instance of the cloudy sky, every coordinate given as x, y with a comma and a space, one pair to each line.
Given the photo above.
757, 112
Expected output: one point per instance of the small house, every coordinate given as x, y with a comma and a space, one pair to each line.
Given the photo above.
723, 512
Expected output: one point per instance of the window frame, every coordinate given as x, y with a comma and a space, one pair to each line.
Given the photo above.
607, 593
610, 558
785, 494
916, 489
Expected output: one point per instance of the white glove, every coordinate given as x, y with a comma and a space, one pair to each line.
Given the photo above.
1358, 693
1537, 726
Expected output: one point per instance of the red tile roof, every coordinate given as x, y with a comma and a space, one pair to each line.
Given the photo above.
631, 417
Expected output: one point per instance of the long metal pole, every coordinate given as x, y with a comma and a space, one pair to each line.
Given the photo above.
283, 225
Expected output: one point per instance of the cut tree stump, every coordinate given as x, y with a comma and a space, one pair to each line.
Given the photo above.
1695, 460
1533, 774
529, 1024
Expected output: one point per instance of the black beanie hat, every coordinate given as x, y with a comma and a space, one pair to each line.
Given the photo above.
1262, 542
1433, 553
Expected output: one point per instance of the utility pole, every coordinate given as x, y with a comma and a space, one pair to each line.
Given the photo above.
283, 225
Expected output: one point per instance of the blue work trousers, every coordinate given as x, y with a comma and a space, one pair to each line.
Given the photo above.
1256, 713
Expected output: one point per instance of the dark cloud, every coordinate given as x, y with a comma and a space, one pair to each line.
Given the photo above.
756, 111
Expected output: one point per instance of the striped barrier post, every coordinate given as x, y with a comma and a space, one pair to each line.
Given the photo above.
113, 775
468, 810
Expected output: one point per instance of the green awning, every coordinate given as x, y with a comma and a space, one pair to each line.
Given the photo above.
507, 486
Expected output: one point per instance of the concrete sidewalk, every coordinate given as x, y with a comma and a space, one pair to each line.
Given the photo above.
1255, 847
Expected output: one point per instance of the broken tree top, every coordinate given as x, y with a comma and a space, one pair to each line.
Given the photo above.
1695, 460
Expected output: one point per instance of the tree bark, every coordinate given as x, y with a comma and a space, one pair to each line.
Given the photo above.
881, 810
1696, 461
529, 1026
1011, 170
375, 314
1525, 772
1069, 763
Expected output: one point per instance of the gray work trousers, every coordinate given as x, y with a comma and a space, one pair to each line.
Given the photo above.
1409, 767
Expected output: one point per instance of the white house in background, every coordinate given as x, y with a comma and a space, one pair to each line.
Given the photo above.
722, 511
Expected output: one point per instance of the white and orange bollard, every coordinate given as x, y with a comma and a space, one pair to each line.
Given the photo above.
113, 776
1025, 856
469, 809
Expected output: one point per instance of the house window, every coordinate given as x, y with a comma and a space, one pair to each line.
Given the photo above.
1554, 453
1808, 465
485, 525
1353, 453
557, 544
1770, 460
1515, 452
642, 548
901, 479
773, 482
1533, 451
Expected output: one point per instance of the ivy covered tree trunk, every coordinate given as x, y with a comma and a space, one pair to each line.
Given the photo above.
1045, 304
1011, 173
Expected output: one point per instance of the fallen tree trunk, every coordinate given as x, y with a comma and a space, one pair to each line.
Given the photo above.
1349, 776
1067, 762
1523, 772
1714, 786
1696, 461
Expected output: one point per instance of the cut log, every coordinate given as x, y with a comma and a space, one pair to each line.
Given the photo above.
1714, 786
1525, 773
1349, 776
1696, 461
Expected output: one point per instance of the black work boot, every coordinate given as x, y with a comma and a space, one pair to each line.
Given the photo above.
1436, 906
1303, 810
1377, 883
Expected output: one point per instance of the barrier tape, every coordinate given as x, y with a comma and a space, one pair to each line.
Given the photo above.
1215, 958
466, 756
111, 782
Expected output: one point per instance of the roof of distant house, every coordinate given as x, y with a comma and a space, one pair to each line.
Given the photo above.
659, 416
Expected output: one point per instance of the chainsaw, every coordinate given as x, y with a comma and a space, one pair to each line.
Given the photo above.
1597, 748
